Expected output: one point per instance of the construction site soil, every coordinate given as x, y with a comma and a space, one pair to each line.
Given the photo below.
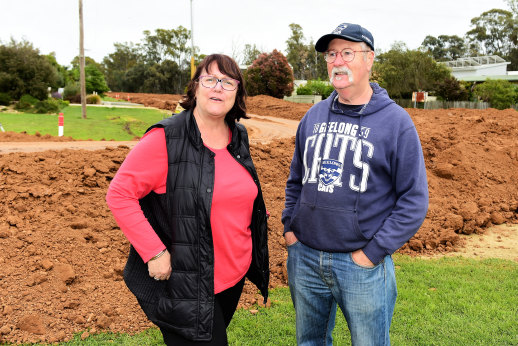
62, 254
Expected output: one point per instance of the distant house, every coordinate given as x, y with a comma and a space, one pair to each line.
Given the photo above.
480, 68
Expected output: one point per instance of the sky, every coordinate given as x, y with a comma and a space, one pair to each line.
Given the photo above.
225, 26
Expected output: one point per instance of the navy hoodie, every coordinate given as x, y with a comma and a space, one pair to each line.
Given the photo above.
357, 179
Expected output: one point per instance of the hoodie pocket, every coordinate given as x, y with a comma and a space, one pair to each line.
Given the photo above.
330, 229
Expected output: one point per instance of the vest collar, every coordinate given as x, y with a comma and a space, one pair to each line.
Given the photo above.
194, 133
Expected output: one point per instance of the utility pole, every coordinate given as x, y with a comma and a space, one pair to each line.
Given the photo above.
82, 60
192, 47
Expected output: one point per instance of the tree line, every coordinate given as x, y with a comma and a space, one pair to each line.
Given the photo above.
160, 63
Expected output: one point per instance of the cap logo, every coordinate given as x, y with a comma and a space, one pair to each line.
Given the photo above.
339, 29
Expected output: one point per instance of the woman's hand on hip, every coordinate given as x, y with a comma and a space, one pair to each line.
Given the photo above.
160, 268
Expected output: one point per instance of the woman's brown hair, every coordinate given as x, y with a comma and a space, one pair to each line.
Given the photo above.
229, 67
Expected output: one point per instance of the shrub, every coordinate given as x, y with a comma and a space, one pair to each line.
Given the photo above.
304, 90
93, 99
316, 87
50, 106
450, 89
270, 74
501, 94
5, 99
26, 102
72, 93
47, 106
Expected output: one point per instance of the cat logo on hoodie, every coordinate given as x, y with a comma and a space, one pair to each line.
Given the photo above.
330, 173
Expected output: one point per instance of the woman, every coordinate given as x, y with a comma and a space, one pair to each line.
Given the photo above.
188, 199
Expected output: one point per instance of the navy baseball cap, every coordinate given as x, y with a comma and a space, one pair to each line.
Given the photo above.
346, 31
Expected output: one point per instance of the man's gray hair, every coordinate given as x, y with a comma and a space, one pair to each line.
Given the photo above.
365, 48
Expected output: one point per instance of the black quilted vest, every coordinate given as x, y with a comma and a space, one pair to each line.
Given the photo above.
181, 217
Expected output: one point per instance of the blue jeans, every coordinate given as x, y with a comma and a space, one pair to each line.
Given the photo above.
320, 280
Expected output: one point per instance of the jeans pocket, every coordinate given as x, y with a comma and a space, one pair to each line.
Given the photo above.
292, 244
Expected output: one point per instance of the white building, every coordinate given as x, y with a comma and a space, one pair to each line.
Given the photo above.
480, 68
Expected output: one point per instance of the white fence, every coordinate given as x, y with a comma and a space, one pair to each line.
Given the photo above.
407, 103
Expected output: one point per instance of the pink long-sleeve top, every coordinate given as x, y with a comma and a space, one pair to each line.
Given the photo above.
145, 170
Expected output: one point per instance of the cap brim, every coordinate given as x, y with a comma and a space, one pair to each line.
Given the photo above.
323, 42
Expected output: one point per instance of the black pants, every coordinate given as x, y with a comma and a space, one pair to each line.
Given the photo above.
225, 304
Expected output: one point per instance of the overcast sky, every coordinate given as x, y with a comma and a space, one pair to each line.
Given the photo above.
225, 26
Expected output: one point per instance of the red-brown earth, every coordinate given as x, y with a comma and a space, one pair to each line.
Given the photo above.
63, 254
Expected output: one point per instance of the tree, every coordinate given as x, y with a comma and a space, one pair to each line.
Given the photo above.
317, 66
434, 46
513, 6
445, 47
456, 47
401, 71
513, 53
495, 31
135, 78
88, 61
297, 51
169, 45
94, 76
24, 71
270, 74
250, 53
118, 63
450, 89
64, 74
501, 94
306, 62
159, 64
94, 80
162, 78
513, 58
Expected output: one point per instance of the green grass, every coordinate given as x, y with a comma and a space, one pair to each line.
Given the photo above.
113, 99
447, 301
102, 123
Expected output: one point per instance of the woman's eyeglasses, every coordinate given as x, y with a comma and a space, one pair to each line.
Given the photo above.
228, 84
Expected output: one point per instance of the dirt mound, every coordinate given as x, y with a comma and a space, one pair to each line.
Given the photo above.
267, 105
10, 136
260, 105
63, 254
162, 101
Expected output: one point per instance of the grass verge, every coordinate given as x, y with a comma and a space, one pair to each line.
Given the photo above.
102, 123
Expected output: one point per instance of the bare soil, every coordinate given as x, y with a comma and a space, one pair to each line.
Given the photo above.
63, 254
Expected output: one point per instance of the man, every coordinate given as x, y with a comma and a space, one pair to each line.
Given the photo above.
357, 191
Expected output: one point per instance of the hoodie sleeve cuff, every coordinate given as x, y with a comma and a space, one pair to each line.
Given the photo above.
374, 252
286, 226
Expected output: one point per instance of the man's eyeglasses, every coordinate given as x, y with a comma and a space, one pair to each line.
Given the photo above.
228, 84
347, 55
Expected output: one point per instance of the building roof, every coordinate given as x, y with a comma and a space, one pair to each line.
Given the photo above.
475, 61
480, 68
